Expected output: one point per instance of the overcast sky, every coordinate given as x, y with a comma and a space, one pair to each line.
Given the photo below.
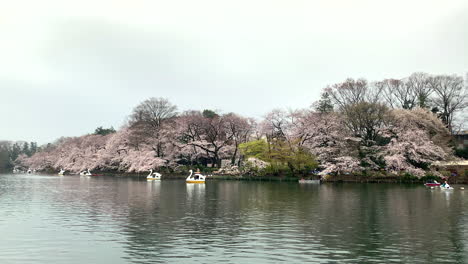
68, 67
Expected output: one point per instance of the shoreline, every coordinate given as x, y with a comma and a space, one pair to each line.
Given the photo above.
370, 177
331, 179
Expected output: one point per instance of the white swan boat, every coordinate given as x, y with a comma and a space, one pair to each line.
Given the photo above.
152, 176
447, 187
61, 172
195, 178
86, 173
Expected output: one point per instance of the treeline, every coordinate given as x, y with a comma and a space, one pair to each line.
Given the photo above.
155, 136
392, 126
10, 151
444, 95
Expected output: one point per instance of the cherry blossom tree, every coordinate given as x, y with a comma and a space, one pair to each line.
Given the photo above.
359, 134
417, 139
213, 136
326, 136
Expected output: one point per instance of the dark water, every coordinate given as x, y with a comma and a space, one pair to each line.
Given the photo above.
51, 219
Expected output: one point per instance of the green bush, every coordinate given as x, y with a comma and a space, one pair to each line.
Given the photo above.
408, 177
462, 153
429, 177
285, 158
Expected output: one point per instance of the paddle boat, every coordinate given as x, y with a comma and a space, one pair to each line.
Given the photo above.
432, 184
446, 186
152, 176
29, 171
195, 178
86, 173
61, 172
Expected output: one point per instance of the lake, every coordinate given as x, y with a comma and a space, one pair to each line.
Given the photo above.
103, 219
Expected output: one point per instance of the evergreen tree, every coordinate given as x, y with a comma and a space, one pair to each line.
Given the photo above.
104, 131
15, 151
33, 148
209, 113
324, 105
25, 149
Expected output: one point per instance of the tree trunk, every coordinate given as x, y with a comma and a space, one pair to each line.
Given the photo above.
217, 160
233, 159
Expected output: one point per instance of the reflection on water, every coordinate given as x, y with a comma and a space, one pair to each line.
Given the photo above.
72, 219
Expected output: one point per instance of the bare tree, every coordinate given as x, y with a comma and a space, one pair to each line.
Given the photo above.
365, 120
450, 97
418, 84
240, 128
348, 92
403, 94
153, 111
147, 122
396, 94
406, 93
361, 105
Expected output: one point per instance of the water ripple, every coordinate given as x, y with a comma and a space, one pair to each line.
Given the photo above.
51, 219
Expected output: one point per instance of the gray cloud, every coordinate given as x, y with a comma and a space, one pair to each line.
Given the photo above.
80, 72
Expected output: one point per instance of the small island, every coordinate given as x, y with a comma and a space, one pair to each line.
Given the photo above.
384, 131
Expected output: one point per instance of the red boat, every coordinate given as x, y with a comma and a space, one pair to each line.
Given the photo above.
432, 184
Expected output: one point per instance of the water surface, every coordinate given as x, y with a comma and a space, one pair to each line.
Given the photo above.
72, 219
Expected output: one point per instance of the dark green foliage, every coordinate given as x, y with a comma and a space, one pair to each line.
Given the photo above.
32, 148
462, 153
15, 151
408, 177
324, 105
5, 162
26, 149
209, 113
9, 152
430, 177
104, 131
